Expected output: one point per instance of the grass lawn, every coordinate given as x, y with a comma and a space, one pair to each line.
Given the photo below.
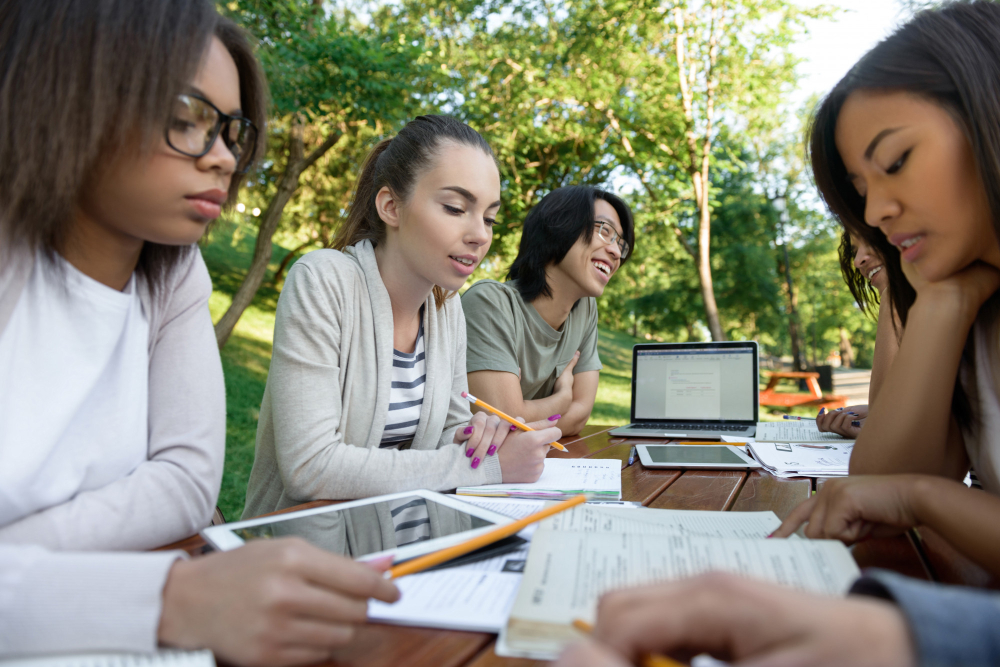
247, 356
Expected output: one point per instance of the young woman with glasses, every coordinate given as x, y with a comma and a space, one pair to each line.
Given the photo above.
533, 339
125, 128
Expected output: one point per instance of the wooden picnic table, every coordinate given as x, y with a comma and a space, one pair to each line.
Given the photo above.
772, 397
924, 556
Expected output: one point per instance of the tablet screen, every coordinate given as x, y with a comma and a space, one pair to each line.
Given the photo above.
359, 531
696, 454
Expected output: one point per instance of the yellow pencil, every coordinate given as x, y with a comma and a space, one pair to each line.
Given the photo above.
646, 660
430, 560
489, 408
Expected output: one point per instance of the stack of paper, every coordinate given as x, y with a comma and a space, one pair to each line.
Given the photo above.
598, 479
803, 459
797, 431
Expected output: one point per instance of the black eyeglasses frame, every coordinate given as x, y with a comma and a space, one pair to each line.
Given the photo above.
223, 122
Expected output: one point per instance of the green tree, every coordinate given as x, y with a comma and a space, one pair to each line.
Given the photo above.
329, 75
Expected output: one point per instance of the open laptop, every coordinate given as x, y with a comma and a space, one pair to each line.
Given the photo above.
693, 390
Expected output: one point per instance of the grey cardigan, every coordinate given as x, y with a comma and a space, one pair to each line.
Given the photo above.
327, 394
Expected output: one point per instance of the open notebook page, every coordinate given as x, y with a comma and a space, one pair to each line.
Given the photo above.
784, 432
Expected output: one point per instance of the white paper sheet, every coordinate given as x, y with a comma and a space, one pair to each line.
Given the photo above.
794, 432
598, 478
453, 599
594, 519
808, 459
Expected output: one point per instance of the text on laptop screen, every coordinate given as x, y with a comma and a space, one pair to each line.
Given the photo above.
695, 384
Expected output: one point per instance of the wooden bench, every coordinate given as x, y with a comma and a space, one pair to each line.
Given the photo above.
773, 398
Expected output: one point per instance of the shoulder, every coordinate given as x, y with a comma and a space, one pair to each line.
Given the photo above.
327, 265
186, 284
490, 294
585, 309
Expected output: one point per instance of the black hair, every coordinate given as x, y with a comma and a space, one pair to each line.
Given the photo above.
395, 163
951, 57
80, 81
866, 296
553, 226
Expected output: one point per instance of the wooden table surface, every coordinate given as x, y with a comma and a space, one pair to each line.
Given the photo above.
923, 555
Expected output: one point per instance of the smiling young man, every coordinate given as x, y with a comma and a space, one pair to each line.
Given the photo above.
532, 341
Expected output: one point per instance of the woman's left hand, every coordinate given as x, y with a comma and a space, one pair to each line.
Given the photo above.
482, 437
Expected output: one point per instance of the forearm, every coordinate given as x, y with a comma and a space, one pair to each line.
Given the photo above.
965, 518
73, 602
575, 417
907, 431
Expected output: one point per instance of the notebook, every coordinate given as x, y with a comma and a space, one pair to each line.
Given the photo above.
166, 658
598, 479
567, 571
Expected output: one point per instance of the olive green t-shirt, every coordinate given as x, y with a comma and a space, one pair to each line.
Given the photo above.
507, 334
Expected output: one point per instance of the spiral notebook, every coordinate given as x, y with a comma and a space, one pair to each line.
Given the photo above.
167, 658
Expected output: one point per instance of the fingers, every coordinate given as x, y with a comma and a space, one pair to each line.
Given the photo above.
588, 653
338, 574
796, 518
488, 437
475, 425
572, 364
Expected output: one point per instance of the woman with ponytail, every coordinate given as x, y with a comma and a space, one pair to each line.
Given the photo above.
364, 392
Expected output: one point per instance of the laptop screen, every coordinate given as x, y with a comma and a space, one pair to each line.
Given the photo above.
695, 384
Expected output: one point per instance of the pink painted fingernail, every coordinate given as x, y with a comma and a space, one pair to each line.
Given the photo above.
513, 428
769, 536
475, 463
468, 452
489, 452
468, 430
554, 418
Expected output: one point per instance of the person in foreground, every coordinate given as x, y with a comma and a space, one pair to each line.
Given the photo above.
533, 340
908, 144
865, 275
112, 403
909, 156
363, 396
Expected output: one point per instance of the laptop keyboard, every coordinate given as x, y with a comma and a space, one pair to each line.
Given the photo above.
660, 426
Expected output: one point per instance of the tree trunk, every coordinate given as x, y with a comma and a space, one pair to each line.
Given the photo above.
705, 271
846, 351
288, 183
279, 274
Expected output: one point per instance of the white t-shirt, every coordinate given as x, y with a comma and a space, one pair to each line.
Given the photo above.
74, 365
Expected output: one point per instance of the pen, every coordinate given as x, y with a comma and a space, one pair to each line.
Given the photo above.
801, 419
631, 455
430, 560
489, 408
645, 660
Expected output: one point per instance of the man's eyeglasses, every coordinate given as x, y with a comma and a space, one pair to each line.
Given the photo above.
195, 123
609, 234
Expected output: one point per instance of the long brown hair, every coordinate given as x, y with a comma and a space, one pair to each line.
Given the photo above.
866, 296
396, 163
80, 81
948, 56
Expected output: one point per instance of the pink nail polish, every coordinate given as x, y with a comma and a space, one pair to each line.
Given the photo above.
554, 418
491, 450
468, 430
475, 463
468, 452
769, 536
513, 428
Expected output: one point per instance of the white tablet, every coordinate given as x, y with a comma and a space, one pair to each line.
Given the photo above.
406, 525
725, 457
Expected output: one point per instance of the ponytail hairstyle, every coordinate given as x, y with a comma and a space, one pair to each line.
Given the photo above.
948, 56
866, 296
82, 81
396, 163
552, 228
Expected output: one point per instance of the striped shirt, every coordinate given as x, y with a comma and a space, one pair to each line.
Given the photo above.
409, 515
406, 394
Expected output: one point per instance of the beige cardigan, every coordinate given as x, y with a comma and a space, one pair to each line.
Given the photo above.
327, 395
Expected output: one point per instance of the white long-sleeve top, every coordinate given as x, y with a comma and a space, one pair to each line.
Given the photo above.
79, 484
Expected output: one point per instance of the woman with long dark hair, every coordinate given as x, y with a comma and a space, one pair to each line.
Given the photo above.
126, 127
364, 392
906, 153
